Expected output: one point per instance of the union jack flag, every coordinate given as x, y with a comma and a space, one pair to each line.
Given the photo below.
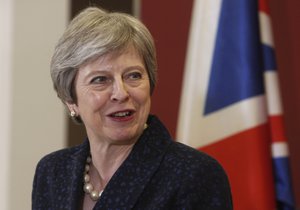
230, 104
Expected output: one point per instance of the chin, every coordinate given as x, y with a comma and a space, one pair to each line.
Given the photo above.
124, 140
126, 137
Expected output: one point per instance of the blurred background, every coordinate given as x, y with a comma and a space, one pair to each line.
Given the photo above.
33, 122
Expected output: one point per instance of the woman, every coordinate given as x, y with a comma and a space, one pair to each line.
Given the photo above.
104, 70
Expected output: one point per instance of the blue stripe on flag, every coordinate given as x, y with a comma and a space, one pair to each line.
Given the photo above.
236, 71
269, 58
284, 192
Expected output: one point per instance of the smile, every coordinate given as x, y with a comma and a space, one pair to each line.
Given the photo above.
122, 114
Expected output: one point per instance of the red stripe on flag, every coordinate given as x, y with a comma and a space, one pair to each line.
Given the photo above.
264, 6
246, 157
277, 128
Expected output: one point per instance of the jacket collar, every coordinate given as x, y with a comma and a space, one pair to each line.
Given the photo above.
129, 181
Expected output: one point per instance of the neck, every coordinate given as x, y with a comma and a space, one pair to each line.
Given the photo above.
107, 158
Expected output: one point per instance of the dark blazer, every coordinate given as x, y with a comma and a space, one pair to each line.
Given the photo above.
158, 174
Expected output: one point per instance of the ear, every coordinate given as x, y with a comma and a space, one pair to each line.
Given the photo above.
72, 107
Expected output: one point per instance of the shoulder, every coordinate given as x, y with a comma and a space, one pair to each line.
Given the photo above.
56, 164
51, 172
192, 158
193, 167
59, 158
56, 156
203, 181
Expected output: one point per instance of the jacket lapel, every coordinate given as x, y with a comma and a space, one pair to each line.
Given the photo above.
74, 172
127, 184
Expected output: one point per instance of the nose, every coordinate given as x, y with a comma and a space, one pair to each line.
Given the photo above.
119, 91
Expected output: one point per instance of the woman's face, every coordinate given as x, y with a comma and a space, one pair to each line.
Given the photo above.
113, 97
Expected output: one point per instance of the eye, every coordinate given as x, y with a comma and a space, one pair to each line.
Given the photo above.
134, 75
99, 80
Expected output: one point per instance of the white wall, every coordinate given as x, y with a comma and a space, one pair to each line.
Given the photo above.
5, 97
32, 121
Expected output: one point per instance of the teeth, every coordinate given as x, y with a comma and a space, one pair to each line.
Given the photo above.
121, 114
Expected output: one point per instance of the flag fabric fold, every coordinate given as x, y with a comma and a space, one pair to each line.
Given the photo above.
280, 154
230, 104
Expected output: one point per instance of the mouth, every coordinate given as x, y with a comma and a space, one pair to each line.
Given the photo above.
122, 114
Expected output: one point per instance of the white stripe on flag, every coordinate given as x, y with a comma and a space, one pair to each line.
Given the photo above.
272, 93
201, 44
204, 130
280, 149
265, 29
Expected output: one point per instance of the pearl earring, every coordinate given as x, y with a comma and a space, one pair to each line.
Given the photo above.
145, 126
73, 114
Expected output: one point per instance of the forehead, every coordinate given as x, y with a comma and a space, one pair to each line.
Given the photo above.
129, 51
124, 59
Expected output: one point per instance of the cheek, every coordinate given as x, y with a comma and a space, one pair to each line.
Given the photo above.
143, 93
92, 101
145, 101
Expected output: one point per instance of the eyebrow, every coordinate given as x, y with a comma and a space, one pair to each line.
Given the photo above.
139, 67
97, 71
135, 67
